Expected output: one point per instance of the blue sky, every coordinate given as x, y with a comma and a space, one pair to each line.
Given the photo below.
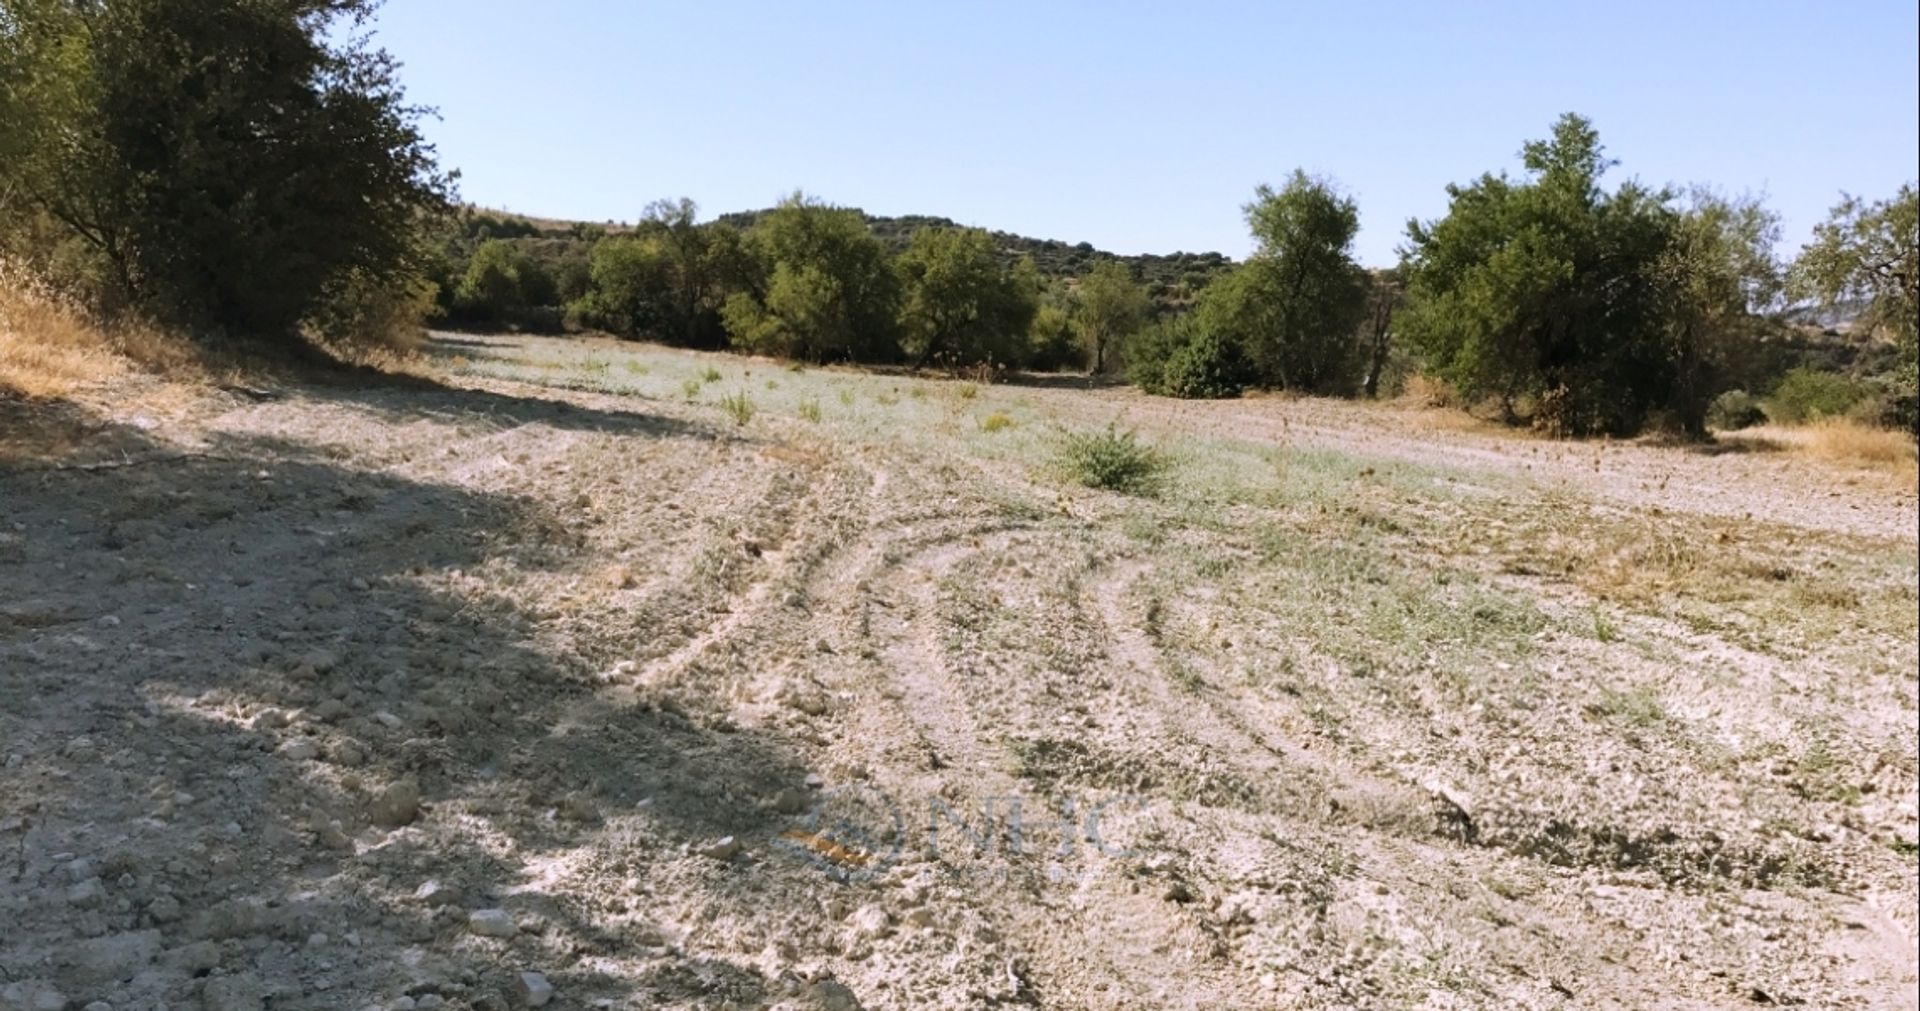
1144, 127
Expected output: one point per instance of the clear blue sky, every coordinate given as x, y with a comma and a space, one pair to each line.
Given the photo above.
1143, 127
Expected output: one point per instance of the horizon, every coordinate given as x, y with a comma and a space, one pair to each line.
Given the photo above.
1017, 121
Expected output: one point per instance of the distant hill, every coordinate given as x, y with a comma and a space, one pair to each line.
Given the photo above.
1171, 277
1168, 275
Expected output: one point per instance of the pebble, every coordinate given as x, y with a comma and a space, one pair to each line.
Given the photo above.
388, 720
533, 989
322, 598
233, 993
32, 995
300, 750
398, 805
872, 921
791, 801
492, 923
433, 893
723, 849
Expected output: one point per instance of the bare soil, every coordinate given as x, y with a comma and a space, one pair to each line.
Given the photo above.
864, 702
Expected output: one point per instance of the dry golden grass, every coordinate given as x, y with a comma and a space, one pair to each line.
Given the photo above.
1838, 440
1426, 391
52, 348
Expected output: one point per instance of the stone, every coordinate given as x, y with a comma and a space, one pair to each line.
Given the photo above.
348, 754
791, 801
322, 598
113, 958
533, 990
194, 959
239, 992
164, 909
32, 995
433, 893
268, 719
300, 749
872, 921
397, 806
492, 923
723, 849
832, 995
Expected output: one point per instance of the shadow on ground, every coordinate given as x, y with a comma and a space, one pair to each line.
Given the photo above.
221, 674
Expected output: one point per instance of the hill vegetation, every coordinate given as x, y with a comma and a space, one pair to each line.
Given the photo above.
241, 171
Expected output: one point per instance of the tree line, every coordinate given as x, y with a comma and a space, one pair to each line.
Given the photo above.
251, 169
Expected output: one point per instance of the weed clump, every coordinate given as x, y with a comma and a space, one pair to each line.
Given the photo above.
1115, 460
739, 407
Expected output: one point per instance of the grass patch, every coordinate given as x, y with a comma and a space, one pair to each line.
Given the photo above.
995, 422
710, 375
1115, 460
739, 407
810, 409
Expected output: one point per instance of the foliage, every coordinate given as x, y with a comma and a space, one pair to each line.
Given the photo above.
1109, 308
1871, 252
1293, 308
1807, 395
1735, 410
1051, 344
739, 407
1721, 279
630, 287
232, 163
960, 304
501, 285
362, 311
1179, 357
1548, 288
1115, 460
830, 292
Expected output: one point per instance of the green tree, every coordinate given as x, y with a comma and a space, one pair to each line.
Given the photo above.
1871, 253
829, 291
1109, 308
1548, 289
960, 304
1721, 281
632, 288
232, 162
1293, 306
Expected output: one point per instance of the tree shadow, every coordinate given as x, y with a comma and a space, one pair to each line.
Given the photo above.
220, 675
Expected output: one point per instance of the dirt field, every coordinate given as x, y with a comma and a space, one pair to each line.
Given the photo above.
380, 695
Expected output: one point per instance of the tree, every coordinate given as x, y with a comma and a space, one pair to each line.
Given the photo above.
632, 291
1548, 289
960, 303
1293, 306
232, 163
830, 292
1721, 281
1871, 252
1109, 308
1385, 292
689, 248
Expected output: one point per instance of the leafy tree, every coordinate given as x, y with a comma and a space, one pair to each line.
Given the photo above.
1871, 252
829, 291
232, 162
1051, 342
502, 283
697, 268
1109, 308
1548, 288
632, 291
1721, 280
960, 304
1293, 306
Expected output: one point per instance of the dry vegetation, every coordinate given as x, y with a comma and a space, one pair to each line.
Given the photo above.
1371, 712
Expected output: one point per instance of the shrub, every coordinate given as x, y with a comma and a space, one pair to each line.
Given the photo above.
1178, 358
1808, 395
1429, 391
1735, 410
739, 407
1114, 460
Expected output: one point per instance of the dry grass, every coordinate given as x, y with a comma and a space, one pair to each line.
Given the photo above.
1839, 440
51, 348
1426, 391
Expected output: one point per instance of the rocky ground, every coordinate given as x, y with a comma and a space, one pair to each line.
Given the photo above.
547, 681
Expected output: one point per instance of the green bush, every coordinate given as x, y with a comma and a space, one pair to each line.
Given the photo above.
1114, 460
1734, 410
1179, 358
1808, 395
